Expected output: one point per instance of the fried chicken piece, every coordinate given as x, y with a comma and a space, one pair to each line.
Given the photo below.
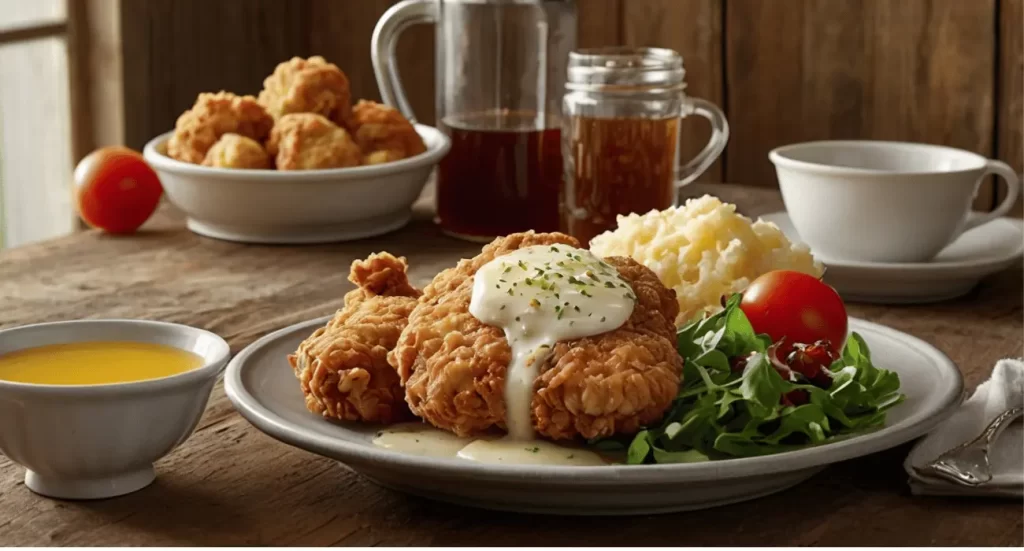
308, 86
342, 367
237, 151
383, 133
453, 366
303, 141
212, 116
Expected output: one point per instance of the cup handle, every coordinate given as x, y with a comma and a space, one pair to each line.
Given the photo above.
1004, 171
716, 144
399, 17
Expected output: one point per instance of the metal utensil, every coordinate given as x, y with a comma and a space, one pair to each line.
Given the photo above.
968, 463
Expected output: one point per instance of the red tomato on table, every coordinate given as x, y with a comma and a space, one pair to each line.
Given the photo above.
796, 307
116, 190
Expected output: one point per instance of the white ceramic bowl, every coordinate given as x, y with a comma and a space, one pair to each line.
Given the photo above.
875, 201
98, 441
297, 206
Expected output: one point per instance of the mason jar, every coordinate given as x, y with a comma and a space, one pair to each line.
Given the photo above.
620, 136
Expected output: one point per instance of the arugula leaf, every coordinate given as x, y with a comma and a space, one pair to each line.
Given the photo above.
639, 449
762, 386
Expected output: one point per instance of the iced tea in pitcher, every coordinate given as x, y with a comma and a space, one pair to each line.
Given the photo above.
501, 69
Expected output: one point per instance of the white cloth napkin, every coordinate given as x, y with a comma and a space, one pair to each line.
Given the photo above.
1003, 390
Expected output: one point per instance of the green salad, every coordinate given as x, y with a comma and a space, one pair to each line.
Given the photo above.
738, 399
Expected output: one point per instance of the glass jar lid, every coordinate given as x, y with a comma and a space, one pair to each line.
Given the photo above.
626, 67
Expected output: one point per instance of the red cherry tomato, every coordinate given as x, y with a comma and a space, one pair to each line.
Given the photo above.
116, 190
796, 307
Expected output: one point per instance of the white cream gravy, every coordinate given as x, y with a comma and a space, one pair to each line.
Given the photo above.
422, 439
540, 295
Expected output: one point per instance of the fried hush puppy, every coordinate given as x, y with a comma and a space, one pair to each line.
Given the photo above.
302, 141
212, 116
383, 133
237, 151
342, 367
453, 366
307, 86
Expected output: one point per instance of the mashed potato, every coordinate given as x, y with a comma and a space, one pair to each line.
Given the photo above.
704, 250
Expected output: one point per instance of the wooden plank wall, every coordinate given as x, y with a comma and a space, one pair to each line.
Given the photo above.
937, 71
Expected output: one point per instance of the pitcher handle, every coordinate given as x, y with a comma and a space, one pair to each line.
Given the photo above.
399, 17
716, 144
1003, 170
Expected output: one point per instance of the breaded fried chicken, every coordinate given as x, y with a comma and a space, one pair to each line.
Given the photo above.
343, 366
453, 365
383, 133
212, 116
237, 151
307, 86
303, 141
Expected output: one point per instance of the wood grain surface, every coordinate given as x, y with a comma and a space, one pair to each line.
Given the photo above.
913, 70
1010, 112
231, 485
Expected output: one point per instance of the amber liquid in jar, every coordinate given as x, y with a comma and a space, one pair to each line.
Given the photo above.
617, 166
502, 175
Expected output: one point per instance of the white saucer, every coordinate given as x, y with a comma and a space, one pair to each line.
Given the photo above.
977, 253
264, 389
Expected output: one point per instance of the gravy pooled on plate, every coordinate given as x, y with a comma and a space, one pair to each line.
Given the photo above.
425, 440
540, 295
95, 363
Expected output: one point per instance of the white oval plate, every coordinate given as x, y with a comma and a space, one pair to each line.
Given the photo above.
263, 388
957, 269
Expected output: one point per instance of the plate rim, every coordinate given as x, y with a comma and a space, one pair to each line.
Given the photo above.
980, 266
352, 454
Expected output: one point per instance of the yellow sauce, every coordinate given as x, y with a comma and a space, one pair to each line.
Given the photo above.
95, 363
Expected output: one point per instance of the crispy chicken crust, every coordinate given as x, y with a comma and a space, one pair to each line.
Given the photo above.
383, 133
212, 116
308, 86
303, 141
342, 367
237, 151
453, 366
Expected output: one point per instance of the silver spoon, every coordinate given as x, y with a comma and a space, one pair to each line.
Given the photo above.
968, 463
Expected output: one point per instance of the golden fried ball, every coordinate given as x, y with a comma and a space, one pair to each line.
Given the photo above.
302, 141
383, 133
212, 116
237, 151
307, 86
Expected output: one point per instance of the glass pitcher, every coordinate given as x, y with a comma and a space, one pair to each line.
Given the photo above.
501, 69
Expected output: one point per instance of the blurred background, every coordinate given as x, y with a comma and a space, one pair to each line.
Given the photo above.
78, 74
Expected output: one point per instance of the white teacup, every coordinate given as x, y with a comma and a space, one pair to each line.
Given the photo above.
884, 201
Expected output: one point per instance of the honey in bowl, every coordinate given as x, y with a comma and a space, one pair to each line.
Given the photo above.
96, 363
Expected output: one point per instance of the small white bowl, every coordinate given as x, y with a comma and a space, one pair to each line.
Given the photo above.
99, 441
297, 206
884, 202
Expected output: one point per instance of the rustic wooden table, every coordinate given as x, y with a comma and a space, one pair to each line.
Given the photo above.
231, 485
